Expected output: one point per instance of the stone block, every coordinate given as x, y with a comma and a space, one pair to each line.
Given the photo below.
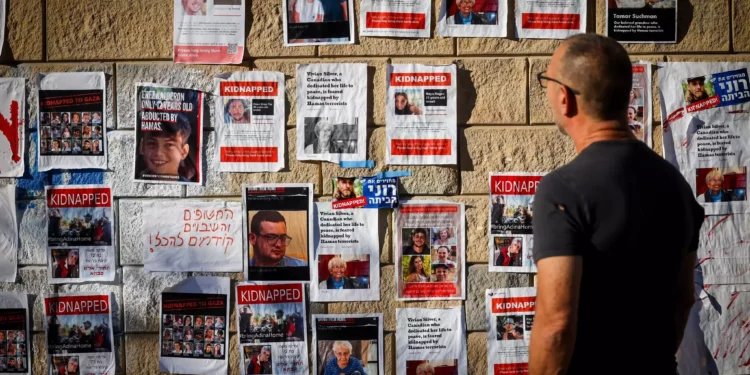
483, 150
741, 32
506, 46
266, 37
114, 289
108, 30
658, 137
131, 231
217, 183
196, 77
142, 354
142, 295
387, 303
24, 31
120, 170
480, 279
32, 224
476, 345
389, 352
32, 281
38, 353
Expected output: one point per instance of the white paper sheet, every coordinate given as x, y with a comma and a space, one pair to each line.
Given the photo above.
8, 234
431, 338
510, 317
402, 18
473, 19
550, 19
12, 123
209, 32
318, 22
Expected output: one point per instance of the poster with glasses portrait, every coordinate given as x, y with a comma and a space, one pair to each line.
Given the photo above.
194, 331
13, 124
14, 333
318, 22
473, 18
510, 317
72, 121
347, 344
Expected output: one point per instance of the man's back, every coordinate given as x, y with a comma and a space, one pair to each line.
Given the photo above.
632, 218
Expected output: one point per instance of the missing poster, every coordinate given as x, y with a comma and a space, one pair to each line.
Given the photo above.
80, 234
510, 216
404, 19
431, 341
473, 18
278, 231
272, 328
429, 250
510, 317
194, 330
79, 333
421, 115
642, 21
332, 112
346, 261
72, 121
168, 135
365, 192
639, 106
14, 334
8, 234
550, 19
251, 123
192, 235
318, 22
12, 122
347, 344
209, 32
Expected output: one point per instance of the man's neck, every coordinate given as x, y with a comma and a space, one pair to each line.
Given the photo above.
261, 263
600, 131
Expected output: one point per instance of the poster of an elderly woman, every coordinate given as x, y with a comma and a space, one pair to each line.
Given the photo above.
337, 278
343, 362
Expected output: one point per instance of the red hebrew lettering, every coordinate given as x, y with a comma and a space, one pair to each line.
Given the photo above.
10, 130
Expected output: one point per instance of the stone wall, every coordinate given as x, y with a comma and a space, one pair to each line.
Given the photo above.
504, 125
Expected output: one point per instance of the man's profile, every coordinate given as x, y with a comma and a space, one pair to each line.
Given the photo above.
269, 240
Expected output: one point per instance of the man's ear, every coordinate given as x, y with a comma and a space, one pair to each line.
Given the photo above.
569, 102
252, 237
185, 150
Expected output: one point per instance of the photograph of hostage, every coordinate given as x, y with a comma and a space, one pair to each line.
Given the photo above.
696, 89
66, 264
403, 107
716, 192
162, 154
344, 188
269, 240
466, 14
236, 111
510, 328
342, 361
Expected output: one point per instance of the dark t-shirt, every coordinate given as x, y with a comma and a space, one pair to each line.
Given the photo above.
332, 10
632, 217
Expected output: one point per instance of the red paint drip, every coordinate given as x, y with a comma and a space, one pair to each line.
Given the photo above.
723, 219
10, 130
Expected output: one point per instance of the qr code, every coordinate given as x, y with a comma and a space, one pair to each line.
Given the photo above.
232, 48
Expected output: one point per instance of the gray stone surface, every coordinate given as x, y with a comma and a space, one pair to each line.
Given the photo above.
480, 279
131, 231
120, 171
142, 291
114, 289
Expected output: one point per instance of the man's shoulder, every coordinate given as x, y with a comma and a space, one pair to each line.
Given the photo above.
294, 262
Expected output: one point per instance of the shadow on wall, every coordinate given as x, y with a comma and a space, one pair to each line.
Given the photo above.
466, 94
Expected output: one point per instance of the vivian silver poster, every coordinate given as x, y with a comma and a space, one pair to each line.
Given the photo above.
431, 340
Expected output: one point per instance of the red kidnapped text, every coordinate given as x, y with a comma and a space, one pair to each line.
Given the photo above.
62, 198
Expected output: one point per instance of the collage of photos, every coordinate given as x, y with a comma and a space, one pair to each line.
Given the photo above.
514, 327
79, 226
85, 333
71, 133
422, 262
432, 367
273, 322
344, 271
13, 351
323, 136
196, 336
311, 22
715, 185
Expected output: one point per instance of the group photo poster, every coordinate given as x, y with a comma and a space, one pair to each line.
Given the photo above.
347, 344
642, 21
79, 333
194, 328
639, 106
428, 243
168, 131
421, 115
15, 341
8, 234
272, 329
318, 22
510, 317
12, 124
80, 234
72, 121
431, 341
395, 19
192, 235
346, 263
550, 19
510, 221
331, 112
364, 192
473, 18
250, 121
278, 231
209, 31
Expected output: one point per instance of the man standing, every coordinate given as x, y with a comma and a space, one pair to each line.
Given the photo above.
269, 241
593, 219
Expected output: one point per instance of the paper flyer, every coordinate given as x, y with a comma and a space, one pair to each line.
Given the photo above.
642, 21
12, 122
250, 130
431, 341
706, 107
194, 334
428, 243
510, 317
318, 22
347, 344
550, 19
79, 333
209, 31
639, 107
72, 121
726, 271
398, 19
331, 112
278, 231
8, 234
272, 328
723, 320
168, 128
192, 235
346, 262
15, 343
365, 192
80, 234
473, 18
421, 115
510, 221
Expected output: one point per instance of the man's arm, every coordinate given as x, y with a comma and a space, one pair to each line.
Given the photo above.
686, 296
554, 333
346, 10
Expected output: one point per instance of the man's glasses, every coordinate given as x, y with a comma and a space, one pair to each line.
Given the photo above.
274, 239
541, 78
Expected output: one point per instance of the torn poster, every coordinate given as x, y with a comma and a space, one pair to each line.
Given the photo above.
510, 317
404, 19
209, 32
473, 18
444, 352
347, 344
12, 124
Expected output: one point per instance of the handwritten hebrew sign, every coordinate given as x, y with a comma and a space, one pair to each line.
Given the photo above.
192, 235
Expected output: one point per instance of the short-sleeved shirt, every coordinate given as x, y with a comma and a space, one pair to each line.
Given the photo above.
308, 12
334, 10
632, 218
